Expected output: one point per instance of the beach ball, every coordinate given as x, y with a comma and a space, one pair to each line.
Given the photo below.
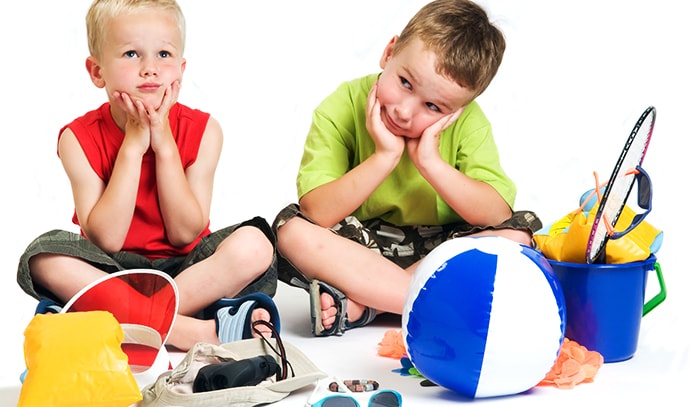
484, 317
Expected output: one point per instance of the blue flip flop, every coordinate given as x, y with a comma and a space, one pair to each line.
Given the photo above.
233, 315
46, 306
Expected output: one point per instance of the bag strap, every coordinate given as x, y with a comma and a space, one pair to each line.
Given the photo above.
285, 363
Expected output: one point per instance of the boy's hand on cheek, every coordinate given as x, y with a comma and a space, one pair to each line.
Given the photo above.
385, 140
425, 148
160, 112
137, 128
160, 125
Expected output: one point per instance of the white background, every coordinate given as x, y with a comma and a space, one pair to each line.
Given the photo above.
575, 76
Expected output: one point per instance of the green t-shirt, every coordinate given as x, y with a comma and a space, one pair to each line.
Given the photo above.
339, 141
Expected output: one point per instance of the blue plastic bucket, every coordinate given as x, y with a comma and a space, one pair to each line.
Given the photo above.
605, 304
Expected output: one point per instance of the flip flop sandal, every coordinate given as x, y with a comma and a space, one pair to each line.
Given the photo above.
48, 306
341, 324
233, 315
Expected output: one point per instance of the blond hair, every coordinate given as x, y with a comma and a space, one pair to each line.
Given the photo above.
103, 10
468, 47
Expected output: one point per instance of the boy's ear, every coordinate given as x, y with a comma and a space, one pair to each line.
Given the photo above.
94, 70
388, 52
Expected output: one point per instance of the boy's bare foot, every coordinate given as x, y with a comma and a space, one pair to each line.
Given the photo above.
260, 314
329, 311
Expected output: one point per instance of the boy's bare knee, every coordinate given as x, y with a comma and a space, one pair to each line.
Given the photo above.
249, 247
520, 236
41, 262
516, 235
290, 234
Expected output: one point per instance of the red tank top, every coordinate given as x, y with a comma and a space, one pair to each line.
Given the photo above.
100, 138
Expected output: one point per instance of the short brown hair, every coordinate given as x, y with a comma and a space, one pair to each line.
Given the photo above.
102, 10
468, 47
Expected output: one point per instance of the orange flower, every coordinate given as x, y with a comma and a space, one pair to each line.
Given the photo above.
392, 345
574, 365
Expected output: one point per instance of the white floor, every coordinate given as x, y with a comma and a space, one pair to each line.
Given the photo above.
656, 375
573, 78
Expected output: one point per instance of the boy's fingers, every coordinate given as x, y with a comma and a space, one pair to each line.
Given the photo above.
450, 119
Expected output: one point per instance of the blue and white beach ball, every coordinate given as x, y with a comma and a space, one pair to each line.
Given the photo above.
484, 316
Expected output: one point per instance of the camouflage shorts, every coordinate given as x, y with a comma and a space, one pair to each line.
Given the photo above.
403, 245
74, 245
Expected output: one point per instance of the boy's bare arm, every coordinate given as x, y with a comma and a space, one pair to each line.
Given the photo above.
475, 201
104, 211
184, 197
332, 202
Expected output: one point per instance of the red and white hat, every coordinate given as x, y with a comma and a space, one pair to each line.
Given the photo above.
145, 302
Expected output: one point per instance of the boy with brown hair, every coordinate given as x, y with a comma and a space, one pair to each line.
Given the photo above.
395, 163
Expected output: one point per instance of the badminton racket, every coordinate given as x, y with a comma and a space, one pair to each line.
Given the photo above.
626, 171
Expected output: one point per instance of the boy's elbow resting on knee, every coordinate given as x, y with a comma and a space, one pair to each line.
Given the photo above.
182, 239
109, 246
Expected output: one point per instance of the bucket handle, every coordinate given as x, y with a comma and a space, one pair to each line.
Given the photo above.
661, 296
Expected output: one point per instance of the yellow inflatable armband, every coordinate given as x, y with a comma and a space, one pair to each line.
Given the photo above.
566, 240
75, 359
